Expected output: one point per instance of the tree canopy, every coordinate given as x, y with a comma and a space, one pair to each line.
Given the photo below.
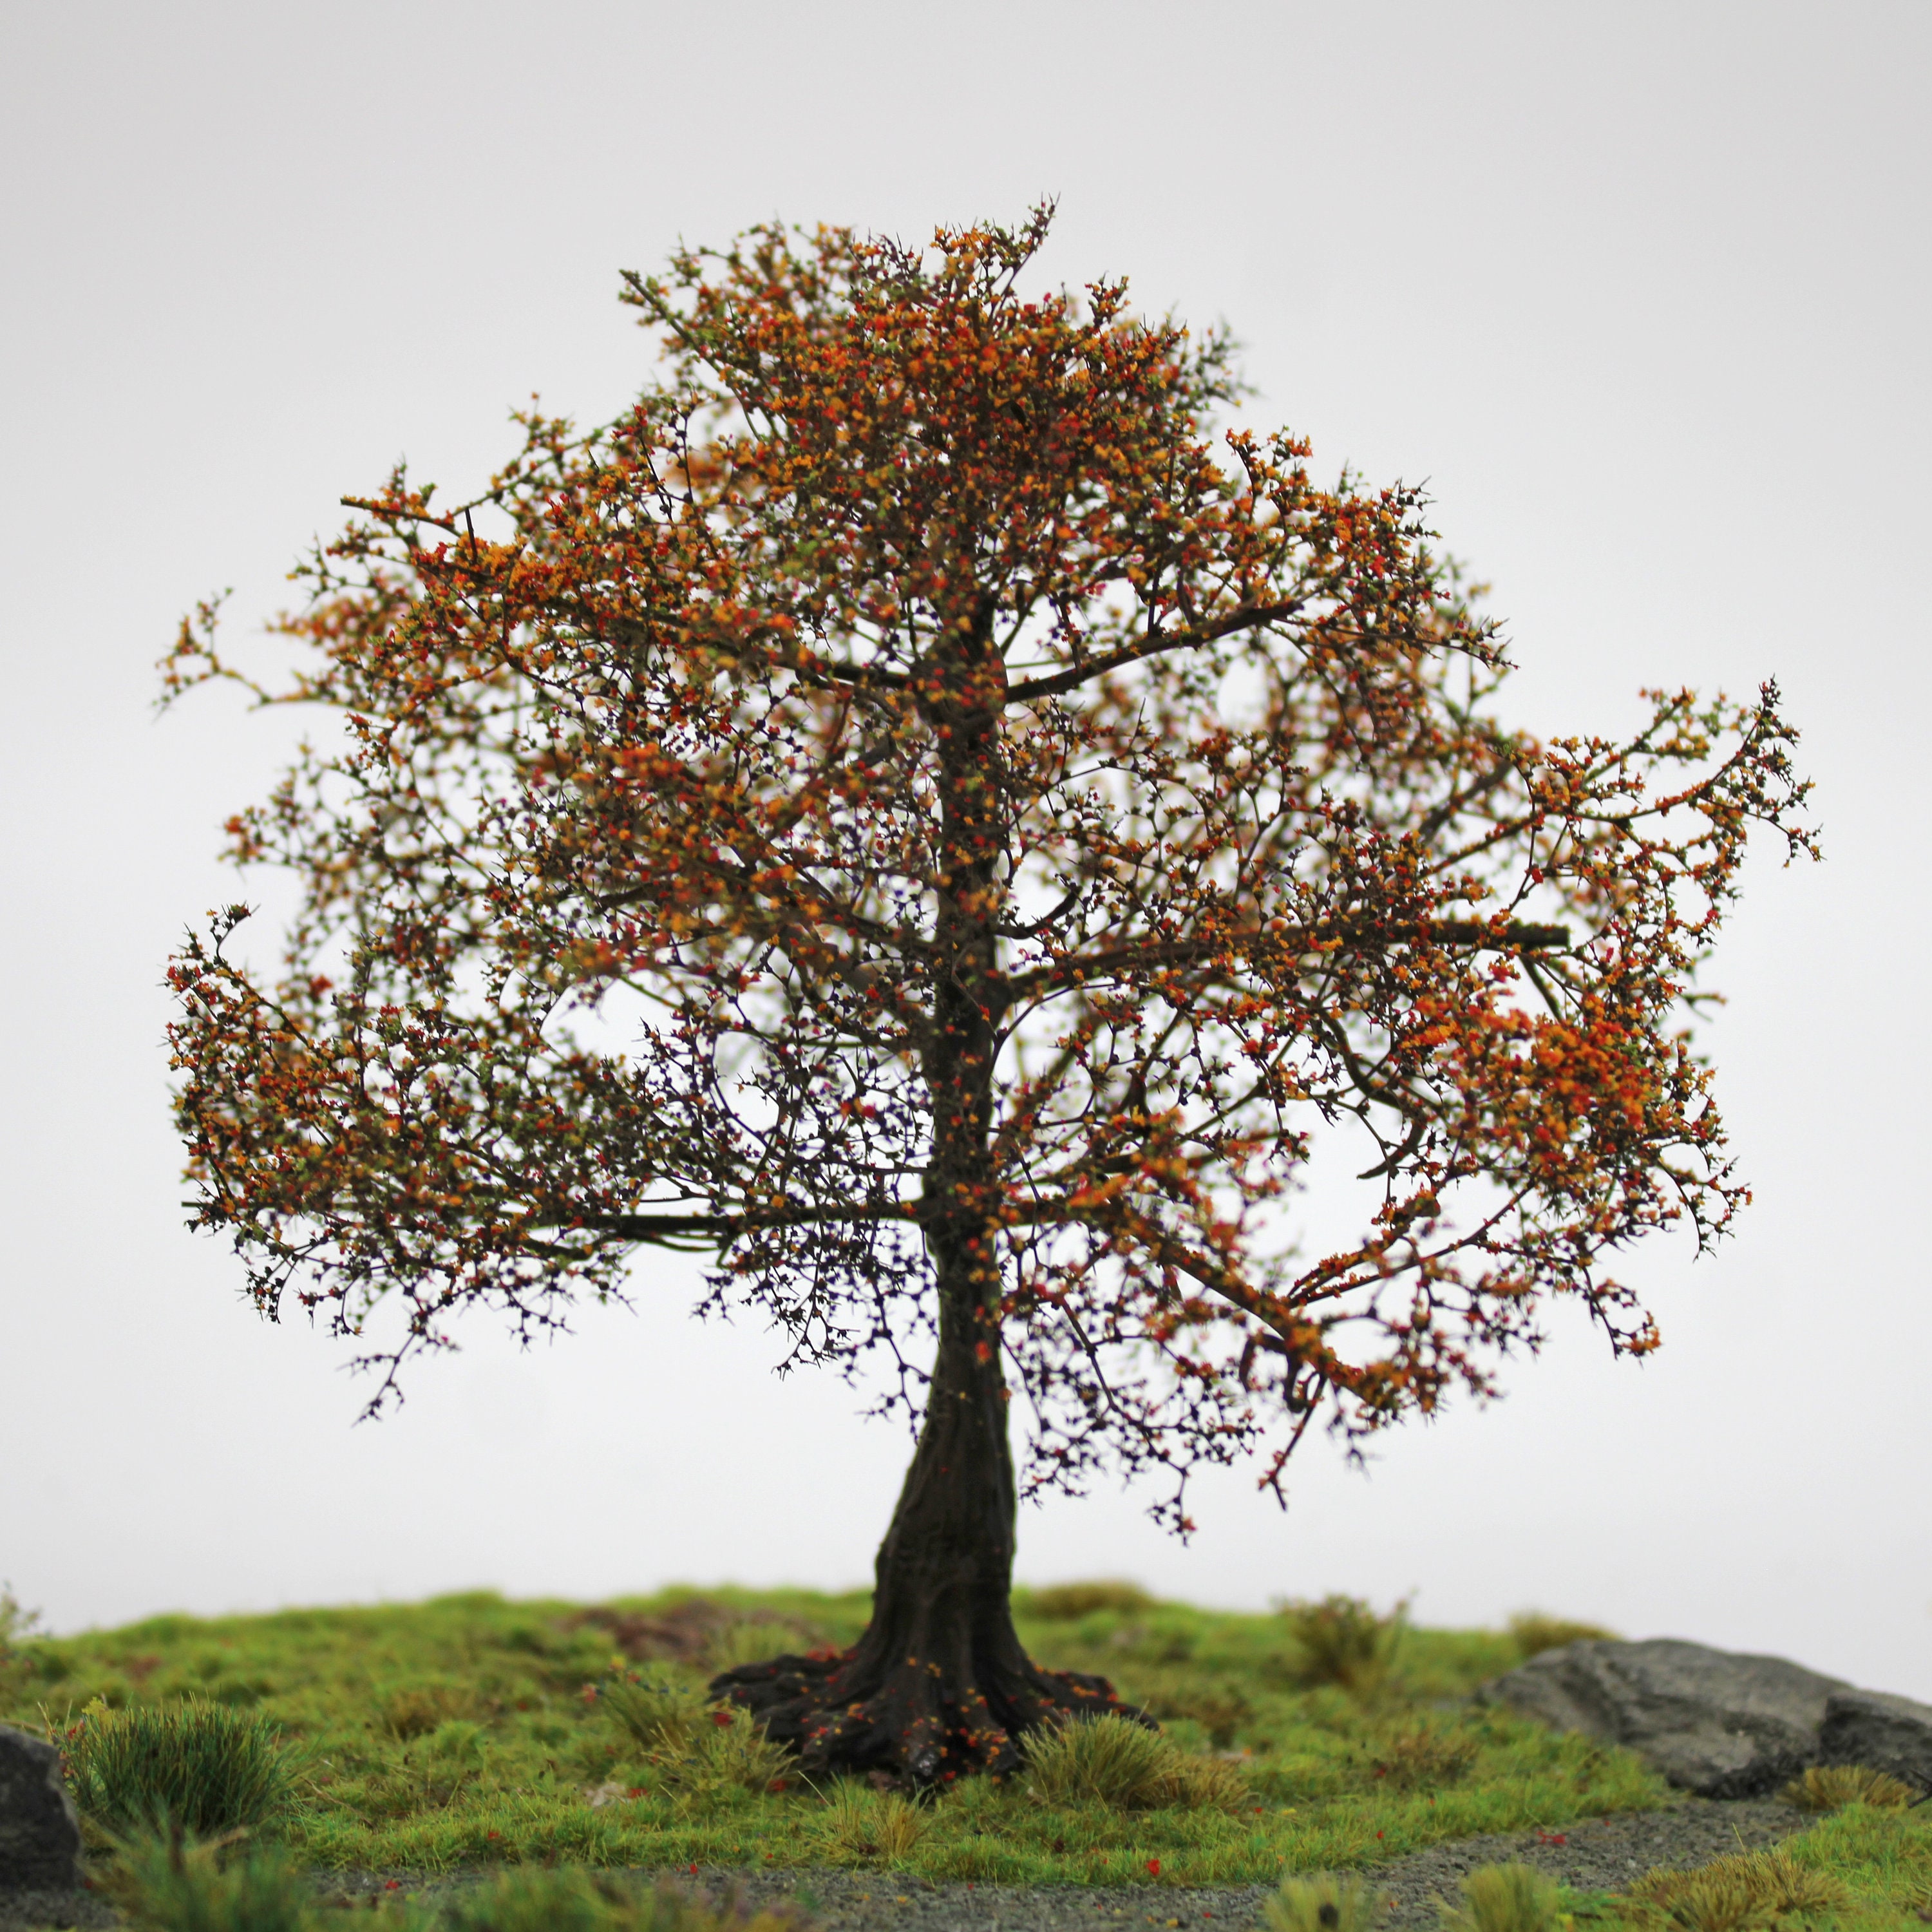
920, 813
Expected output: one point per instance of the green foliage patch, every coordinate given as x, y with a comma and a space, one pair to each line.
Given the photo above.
472, 1732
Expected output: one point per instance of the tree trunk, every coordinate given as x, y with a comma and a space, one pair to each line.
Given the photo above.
938, 1685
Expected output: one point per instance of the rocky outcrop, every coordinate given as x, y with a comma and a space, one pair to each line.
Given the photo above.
1874, 1727
39, 1836
1717, 1723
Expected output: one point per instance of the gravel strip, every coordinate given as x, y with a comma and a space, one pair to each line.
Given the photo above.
30, 1911
1597, 1855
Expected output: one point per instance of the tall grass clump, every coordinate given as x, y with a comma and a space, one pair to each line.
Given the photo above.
1424, 1756
660, 1715
1107, 1760
415, 1710
1068, 1603
1504, 1898
1825, 1787
17, 1624
747, 1642
168, 1883
563, 1899
729, 1755
1323, 1903
15, 1620
1206, 1784
1341, 1640
1716, 1900
1735, 1894
866, 1827
1111, 1760
1220, 1709
1533, 1633
202, 1768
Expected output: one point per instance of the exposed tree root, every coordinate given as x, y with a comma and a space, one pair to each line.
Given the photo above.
909, 1721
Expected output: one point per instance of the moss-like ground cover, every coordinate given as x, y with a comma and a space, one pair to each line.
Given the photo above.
470, 1731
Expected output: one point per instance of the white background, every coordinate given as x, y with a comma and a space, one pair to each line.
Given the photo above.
1641, 290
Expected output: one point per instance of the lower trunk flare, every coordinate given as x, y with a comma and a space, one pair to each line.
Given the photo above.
939, 1685
908, 1719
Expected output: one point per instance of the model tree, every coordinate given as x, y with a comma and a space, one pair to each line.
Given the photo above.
911, 812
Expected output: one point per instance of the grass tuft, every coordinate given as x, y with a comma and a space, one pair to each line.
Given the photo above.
1425, 1756
203, 1768
661, 1716
1068, 1603
168, 1883
1220, 1710
729, 1754
1195, 1783
15, 1620
1505, 1898
536, 1900
415, 1710
1533, 1633
1732, 1894
746, 1642
1825, 1787
866, 1827
1341, 1640
1716, 1901
1323, 1903
1108, 1760
17, 1624
1114, 1762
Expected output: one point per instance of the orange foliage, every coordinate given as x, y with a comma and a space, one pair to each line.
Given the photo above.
1002, 808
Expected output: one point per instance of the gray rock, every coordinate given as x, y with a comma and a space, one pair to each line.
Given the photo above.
39, 1836
1713, 1722
1874, 1728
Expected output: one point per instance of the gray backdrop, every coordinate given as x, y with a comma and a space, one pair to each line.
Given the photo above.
1641, 290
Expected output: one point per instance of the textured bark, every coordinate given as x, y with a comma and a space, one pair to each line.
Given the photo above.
939, 1685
